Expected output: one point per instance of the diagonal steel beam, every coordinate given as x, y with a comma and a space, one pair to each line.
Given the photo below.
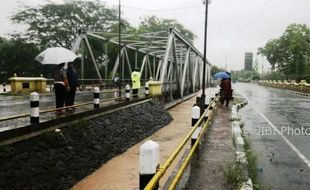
92, 57
128, 61
195, 70
116, 65
187, 59
164, 64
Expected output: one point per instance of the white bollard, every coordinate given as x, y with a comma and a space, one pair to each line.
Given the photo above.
127, 92
34, 108
213, 96
207, 101
149, 161
146, 89
4, 89
195, 135
96, 97
195, 115
116, 93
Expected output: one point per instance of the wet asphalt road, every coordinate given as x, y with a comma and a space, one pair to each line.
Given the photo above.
16, 105
278, 126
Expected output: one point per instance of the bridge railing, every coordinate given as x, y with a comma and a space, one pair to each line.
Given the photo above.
292, 85
203, 124
88, 84
110, 95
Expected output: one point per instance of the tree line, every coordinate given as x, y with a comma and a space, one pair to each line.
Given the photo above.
289, 55
54, 25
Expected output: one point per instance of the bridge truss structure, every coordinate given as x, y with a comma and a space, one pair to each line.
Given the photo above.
167, 57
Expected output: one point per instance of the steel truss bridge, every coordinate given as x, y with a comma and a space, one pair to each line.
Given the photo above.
167, 57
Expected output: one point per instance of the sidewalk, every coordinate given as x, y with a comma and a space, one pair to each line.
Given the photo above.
122, 172
215, 155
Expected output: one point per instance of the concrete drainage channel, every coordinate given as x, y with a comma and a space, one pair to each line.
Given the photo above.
239, 143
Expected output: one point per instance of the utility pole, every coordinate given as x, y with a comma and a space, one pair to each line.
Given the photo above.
201, 100
119, 49
205, 51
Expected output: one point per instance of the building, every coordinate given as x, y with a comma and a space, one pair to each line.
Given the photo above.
248, 61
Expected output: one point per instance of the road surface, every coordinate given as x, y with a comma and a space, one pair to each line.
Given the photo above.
16, 105
278, 125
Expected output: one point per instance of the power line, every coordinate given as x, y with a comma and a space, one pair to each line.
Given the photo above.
162, 10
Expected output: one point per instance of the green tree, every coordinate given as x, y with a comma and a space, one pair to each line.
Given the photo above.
243, 75
290, 52
58, 24
17, 57
154, 24
272, 52
215, 69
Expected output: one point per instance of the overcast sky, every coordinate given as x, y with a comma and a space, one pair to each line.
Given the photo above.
235, 26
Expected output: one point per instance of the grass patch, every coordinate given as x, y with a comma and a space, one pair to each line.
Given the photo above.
234, 174
237, 101
252, 163
234, 140
241, 124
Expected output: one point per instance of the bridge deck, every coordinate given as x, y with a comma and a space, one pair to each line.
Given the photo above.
122, 172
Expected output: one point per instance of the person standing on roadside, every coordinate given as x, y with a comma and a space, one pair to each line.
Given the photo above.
73, 84
135, 79
226, 91
61, 85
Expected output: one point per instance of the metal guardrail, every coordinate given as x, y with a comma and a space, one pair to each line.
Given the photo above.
193, 149
162, 169
12, 135
66, 107
104, 83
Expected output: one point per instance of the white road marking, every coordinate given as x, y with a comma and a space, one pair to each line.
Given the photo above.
300, 155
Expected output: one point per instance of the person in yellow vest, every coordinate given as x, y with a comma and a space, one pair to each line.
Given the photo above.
135, 79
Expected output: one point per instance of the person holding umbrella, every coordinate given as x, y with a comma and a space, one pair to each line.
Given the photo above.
61, 86
58, 56
73, 84
226, 91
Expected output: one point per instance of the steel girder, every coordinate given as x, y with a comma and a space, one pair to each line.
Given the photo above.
175, 62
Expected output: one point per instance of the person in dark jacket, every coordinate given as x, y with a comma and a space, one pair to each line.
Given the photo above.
60, 85
73, 83
226, 91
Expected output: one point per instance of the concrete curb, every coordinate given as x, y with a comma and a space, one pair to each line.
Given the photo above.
239, 144
296, 92
287, 90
